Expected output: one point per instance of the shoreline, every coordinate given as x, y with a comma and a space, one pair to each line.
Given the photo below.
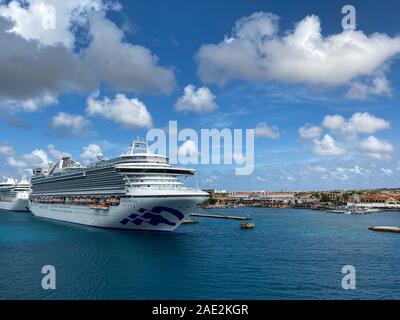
287, 206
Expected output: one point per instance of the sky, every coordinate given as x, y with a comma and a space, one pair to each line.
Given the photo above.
85, 77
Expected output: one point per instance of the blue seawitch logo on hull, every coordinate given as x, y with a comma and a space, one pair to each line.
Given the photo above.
152, 216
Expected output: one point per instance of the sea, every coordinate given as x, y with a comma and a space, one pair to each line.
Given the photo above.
290, 254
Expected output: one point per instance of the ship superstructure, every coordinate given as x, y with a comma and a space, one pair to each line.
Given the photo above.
137, 190
14, 195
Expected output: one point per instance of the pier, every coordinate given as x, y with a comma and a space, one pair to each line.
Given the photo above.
220, 216
385, 229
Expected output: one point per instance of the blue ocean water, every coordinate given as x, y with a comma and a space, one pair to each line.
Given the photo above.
290, 254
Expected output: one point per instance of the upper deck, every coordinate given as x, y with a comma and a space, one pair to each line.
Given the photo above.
137, 161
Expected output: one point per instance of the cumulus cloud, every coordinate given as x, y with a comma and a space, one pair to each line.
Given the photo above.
376, 148
358, 123
50, 21
262, 130
361, 91
6, 149
349, 134
200, 101
255, 51
68, 125
335, 172
387, 172
119, 64
130, 113
38, 63
334, 122
310, 132
56, 154
36, 158
23, 164
90, 153
327, 147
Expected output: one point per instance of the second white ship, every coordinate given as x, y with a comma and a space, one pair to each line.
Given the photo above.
137, 190
14, 195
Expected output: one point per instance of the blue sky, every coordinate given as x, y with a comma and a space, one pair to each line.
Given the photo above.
147, 52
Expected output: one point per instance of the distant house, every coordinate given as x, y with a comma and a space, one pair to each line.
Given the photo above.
276, 196
307, 198
354, 198
391, 192
239, 195
381, 198
262, 196
332, 196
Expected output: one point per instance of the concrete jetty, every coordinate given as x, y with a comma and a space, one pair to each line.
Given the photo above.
220, 216
385, 229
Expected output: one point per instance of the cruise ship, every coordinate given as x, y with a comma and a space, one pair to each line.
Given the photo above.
138, 190
14, 195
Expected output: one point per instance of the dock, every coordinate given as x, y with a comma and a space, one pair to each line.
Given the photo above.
220, 216
385, 229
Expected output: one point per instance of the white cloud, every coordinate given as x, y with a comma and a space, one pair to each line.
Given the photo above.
341, 173
263, 130
49, 21
36, 159
200, 100
361, 91
25, 163
260, 179
65, 124
255, 51
56, 154
121, 65
130, 113
208, 180
366, 123
319, 169
90, 153
335, 172
32, 104
360, 122
375, 146
334, 122
348, 132
49, 63
211, 179
357, 170
387, 172
188, 149
310, 132
327, 147
290, 178
6, 149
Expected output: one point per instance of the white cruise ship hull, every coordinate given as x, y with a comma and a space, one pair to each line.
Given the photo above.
15, 205
151, 213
